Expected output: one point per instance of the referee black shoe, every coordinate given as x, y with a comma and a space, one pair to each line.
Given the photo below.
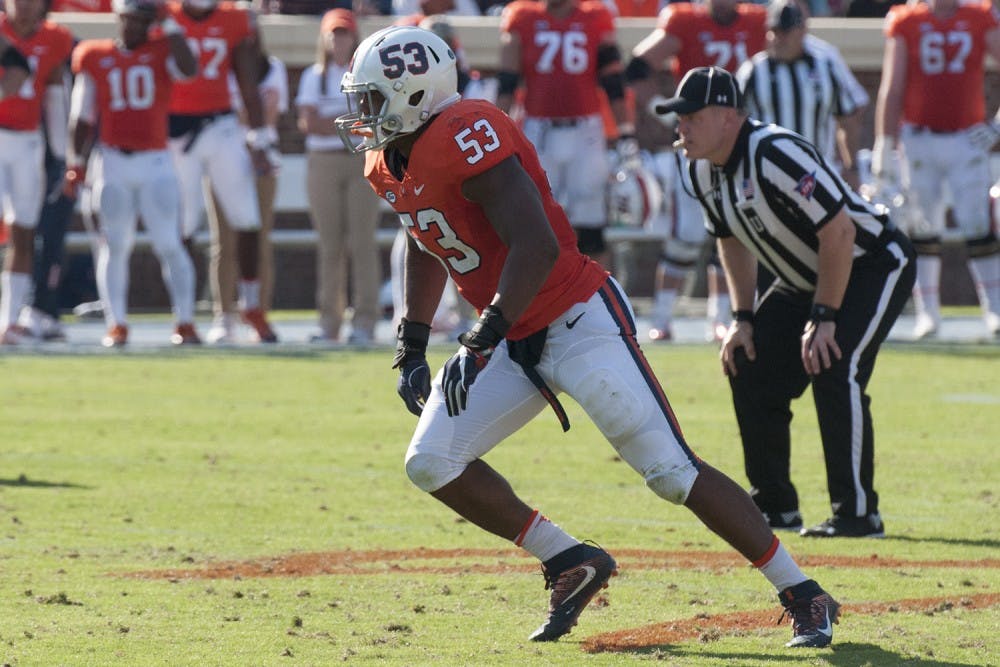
784, 520
848, 526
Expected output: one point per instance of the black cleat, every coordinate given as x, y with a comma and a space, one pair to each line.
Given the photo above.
848, 526
813, 613
572, 590
784, 520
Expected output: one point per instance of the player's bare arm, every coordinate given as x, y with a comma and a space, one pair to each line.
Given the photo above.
511, 201
424, 279
849, 143
836, 257
184, 59
246, 56
889, 108
82, 132
740, 267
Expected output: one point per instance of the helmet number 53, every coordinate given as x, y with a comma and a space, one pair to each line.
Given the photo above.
399, 58
470, 140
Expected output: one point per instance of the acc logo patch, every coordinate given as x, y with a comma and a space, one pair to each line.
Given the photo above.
806, 185
390, 197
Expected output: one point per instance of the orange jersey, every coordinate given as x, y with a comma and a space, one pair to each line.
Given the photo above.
705, 43
944, 64
47, 49
638, 8
559, 56
212, 39
133, 91
466, 139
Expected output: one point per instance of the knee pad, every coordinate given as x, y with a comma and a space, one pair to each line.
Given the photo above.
673, 484
612, 405
430, 472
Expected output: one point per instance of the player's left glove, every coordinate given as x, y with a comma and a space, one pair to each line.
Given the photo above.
477, 347
414, 385
984, 135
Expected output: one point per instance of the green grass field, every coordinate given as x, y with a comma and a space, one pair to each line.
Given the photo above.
116, 465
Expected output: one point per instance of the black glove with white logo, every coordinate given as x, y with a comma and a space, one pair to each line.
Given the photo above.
414, 385
477, 347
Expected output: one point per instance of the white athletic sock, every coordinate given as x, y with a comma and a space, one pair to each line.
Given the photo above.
926, 294
112, 283
663, 307
985, 273
249, 294
779, 568
719, 310
542, 538
14, 288
178, 275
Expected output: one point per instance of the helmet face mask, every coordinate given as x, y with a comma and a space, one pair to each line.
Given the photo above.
398, 79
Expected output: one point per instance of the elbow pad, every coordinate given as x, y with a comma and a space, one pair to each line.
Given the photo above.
607, 54
637, 70
12, 58
507, 81
614, 85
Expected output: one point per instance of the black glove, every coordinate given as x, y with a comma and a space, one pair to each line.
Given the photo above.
414, 385
477, 346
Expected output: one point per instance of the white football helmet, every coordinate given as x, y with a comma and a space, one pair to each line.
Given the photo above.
634, 195
399, 77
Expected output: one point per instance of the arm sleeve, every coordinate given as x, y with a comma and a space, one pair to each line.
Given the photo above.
83, 102
56, 110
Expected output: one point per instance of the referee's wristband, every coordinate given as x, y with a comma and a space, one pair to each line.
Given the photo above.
743, 316
821, 313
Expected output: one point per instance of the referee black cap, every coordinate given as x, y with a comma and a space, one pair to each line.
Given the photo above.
702, 87
785, 15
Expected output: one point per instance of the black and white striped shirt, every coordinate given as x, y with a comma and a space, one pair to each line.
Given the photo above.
805, 95
774, 194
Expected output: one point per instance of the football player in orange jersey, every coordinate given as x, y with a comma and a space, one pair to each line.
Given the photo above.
207, 140
22, 146
566, 52
931, 106
723, 33
470, 191
121, 93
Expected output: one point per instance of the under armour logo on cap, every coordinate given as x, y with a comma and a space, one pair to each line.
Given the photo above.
702, 87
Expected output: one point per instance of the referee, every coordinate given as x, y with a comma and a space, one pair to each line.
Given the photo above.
802, 83
843, 273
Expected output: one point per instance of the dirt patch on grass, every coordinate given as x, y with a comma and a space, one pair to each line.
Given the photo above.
708, 628
501, 561
498, 561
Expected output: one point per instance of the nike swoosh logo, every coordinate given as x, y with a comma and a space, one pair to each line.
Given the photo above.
826, 629
572, 322
591, 573
417, 190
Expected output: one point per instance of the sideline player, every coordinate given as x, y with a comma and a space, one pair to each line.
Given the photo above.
470, 190
723, 33
46, 46
207, 140
566, 52
123, 87
931, 105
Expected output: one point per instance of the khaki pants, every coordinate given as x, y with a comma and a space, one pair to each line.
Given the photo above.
223, 264
345, 213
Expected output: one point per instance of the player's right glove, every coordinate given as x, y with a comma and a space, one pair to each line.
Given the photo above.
477, 347
414, 385
73, 180
984, 135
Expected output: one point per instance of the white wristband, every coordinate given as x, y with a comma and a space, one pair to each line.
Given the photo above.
170, 26
257, 138
884, 143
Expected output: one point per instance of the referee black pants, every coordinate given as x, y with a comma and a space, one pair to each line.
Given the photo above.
763, 390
